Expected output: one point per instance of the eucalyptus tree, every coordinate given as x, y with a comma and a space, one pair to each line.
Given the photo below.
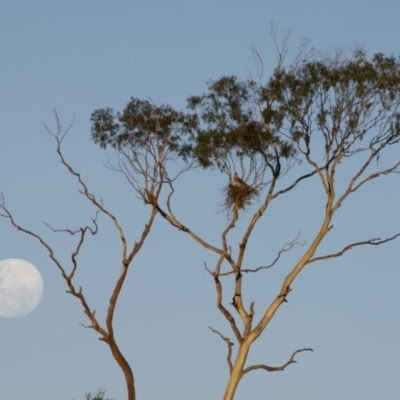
153, 146
321, 111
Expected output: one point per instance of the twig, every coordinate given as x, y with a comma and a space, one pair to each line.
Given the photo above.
373, 242
229, 343
273, 369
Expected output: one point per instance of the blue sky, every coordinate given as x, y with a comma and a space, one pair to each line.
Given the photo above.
77, 56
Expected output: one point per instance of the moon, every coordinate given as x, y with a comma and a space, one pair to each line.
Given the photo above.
21, 288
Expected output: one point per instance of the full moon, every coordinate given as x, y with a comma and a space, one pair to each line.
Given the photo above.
21, 288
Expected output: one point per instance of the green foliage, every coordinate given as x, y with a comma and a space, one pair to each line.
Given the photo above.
265, 125
343, 97
238, 120
143, 126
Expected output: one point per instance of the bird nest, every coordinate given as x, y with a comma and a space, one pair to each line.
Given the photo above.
238, 196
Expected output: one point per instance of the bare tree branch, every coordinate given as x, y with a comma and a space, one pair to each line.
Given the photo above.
373, 242
286, 247
59, 137
67, 276
222, 309
273, 369
174, 222
229, 344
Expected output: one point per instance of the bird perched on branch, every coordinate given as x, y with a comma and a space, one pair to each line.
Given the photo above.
238, 180
151, 198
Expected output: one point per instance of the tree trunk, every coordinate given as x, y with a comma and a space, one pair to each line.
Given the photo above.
237, 371
126, 369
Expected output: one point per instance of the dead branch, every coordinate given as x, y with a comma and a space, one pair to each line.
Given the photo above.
372, 242
59, 137
273, 369
222, 308
229, 343
71, 232
207, 269
67, 276
285, 247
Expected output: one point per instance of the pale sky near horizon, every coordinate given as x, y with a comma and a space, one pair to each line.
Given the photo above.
78, 56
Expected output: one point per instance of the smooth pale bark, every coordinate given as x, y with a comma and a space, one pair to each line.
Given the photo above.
238, 367
237, 371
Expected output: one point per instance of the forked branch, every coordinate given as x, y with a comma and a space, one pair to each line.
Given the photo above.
229, 343
59, 137
218, 287
67, 276
286, 247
